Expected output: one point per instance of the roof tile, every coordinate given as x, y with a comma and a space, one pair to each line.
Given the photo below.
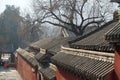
113, 35
28, 57
96, 41
83, 66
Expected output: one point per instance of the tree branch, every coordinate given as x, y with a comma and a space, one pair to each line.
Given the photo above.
91, 18
56, 24
92, 22
59, 19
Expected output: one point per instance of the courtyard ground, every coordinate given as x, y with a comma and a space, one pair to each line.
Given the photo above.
9, 74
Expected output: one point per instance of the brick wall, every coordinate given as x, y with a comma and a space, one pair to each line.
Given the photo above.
25, 70
117, 64
62, 75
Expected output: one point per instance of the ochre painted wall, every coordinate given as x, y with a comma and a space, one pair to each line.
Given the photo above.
62, 75
25, 70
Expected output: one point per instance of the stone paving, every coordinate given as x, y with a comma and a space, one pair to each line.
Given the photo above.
9, 74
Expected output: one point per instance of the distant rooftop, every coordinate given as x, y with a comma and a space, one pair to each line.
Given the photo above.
96, 40
51, 44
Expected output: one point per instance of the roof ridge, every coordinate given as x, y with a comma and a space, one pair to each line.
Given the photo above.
112, 28
98, 29
102, 56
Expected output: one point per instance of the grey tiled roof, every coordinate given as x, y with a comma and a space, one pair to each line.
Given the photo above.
41, 43
57, 47
114, 34
45, 68
43, 59
28, 57
82, 66
48, 73
39, 56
33, 60
52, 45
96, 41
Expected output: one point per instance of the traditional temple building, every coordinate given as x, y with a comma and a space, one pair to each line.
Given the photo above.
91, 57
95, 56
34, 67
113, 37
37, 57
77, 64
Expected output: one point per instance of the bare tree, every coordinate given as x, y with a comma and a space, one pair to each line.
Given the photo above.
29, 30
73, 15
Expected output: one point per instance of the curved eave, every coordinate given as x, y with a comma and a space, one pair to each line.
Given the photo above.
114, 41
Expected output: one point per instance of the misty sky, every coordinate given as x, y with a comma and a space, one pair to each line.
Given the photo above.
25, 5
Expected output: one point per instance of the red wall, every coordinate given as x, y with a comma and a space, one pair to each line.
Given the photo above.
117, 64
62, 75
25, 70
